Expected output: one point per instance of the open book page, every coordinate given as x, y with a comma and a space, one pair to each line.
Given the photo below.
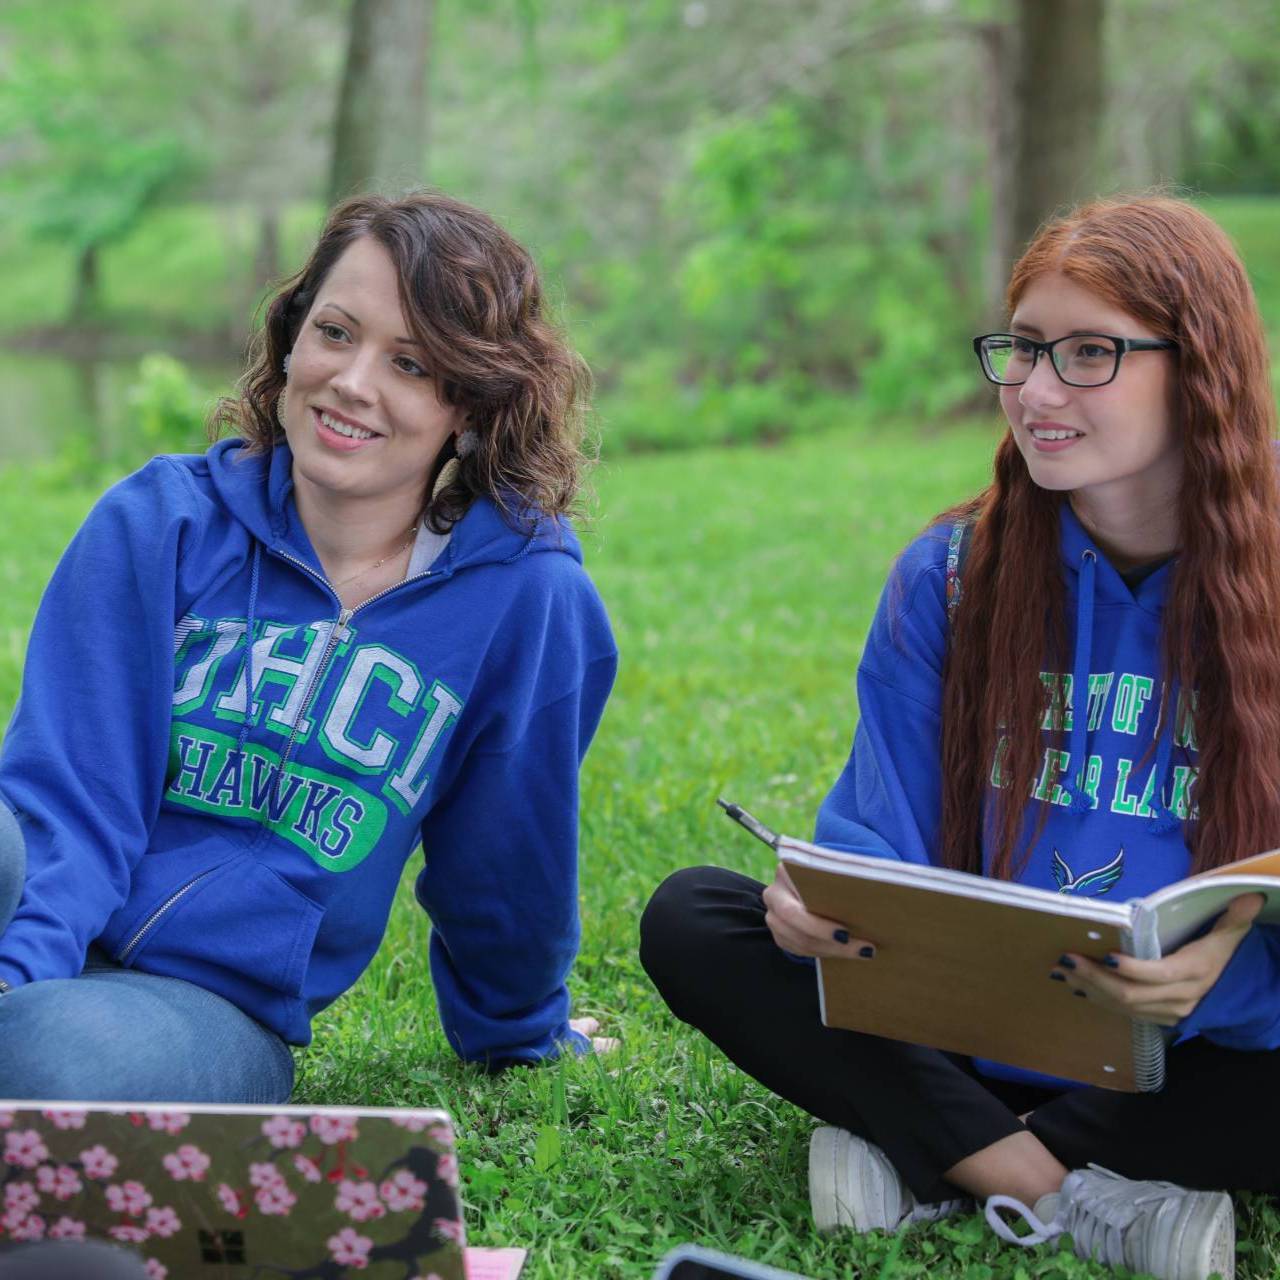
1168, 917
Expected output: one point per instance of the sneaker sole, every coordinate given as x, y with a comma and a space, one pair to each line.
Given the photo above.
1201, 1241
836, 1203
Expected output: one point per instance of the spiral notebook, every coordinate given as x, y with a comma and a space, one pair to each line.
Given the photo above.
962, 962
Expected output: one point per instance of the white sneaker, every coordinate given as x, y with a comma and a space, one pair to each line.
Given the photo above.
1173, 1233
852, 1183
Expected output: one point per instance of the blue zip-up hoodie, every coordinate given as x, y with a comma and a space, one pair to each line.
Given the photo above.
1117, 833
258, 856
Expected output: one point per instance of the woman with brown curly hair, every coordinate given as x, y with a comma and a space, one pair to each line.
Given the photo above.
1073, 681
260, 677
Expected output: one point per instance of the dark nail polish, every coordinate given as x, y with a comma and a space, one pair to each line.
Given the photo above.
1058, 977
866, 952
1066, 962
841, 936
1111, 962
1081, 994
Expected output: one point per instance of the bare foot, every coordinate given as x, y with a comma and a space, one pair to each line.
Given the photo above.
588, 1027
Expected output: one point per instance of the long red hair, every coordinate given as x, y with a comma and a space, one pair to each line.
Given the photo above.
1173, 269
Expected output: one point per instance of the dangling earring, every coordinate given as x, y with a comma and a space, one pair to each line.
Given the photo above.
448, 474
465, 443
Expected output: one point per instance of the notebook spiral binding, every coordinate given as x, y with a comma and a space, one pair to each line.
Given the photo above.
1148, 1056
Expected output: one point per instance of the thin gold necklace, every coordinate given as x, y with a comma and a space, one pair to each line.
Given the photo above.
399, 551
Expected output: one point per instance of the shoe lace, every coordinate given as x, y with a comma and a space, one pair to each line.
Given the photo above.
1096, 1207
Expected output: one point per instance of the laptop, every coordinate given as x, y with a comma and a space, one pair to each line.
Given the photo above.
238, 1193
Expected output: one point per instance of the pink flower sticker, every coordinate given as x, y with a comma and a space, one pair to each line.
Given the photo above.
62, 1182
31, 1228
265, 1174
350, 1249
333, 1129
127, 1234
67, 1229
404, 1192
163, 1222
275, 1199
156, 1270
359, 1200
20, 1196
98, 1162
308, 1168
449, 1229
229, 1197
447, 1169
188, 1162
282, 1131
443, 1135
414, 1121
129, 1197
7, 1118
70, 1119
24, 1148
168, 1121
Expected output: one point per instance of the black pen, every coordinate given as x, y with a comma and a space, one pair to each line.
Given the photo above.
757, 829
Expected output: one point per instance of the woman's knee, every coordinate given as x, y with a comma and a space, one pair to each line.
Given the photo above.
122, 1036
686, 921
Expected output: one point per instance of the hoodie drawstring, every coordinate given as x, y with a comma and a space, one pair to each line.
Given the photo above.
1163, 819
1080, 801
248, 643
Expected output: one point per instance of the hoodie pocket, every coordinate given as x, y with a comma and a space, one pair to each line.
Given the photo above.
238, 915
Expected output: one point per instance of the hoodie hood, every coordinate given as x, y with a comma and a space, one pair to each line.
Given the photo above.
484, 535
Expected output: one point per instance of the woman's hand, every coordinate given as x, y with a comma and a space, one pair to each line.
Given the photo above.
801, 932
588, 1027
1164, 991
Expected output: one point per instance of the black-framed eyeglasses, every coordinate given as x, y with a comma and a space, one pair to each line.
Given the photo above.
1079, 359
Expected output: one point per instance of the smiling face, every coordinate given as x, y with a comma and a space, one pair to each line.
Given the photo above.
1117, 444
361, 412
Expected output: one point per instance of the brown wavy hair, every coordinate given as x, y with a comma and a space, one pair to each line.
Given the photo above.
1172, 268
472, 297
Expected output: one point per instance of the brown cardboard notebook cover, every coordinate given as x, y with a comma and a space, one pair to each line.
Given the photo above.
970, 974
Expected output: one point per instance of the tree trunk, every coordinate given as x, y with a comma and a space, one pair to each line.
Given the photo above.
266, 259
84, 299
1058, 96
380, 133
1000, 46
1045, 72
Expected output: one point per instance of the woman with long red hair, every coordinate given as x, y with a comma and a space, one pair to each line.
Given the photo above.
1072, 681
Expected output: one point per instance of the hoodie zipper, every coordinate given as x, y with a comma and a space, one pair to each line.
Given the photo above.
150, 922
335, 638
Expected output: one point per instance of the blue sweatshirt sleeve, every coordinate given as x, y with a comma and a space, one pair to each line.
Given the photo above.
500, 880
887, 801
83, 761
1242, 1009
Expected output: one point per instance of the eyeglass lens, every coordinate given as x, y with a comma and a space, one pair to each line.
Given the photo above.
1083, 359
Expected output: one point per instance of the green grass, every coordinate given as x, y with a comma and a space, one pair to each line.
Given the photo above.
740, 583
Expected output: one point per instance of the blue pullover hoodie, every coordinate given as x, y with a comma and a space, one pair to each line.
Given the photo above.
1117, 831
257, 855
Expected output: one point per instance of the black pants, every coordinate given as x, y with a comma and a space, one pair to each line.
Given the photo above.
704, 942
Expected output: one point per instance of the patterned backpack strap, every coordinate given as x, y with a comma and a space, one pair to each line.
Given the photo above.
956, 551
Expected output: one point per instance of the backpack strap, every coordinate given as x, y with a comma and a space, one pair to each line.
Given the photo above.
957, 549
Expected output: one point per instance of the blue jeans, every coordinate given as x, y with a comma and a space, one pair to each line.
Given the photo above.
118, 1035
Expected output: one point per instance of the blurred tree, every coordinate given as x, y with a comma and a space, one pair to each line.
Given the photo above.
88, 126
380, 133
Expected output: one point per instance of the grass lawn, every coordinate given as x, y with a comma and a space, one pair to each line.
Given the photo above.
741, 584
